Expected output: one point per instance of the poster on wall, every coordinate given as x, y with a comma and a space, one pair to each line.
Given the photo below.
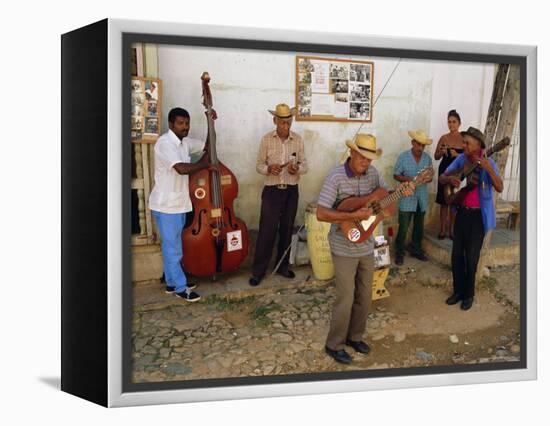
329, 89
145, 106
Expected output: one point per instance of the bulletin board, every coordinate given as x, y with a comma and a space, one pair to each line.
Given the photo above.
146, 109
333, 89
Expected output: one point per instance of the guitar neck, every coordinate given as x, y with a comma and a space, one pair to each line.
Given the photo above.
389, 199
488, 153
473, 167
392, 198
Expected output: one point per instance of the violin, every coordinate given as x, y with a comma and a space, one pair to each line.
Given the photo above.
216, 241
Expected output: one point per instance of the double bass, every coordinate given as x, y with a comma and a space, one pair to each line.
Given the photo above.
216, 241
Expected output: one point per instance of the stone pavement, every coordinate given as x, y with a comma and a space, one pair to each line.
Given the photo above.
280, 327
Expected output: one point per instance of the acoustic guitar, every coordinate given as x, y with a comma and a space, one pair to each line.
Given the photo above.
358, 231
449, 191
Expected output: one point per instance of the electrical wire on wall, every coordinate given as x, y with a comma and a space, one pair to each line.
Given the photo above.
346, 153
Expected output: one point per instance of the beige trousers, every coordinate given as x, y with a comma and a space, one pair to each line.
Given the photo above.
353, 299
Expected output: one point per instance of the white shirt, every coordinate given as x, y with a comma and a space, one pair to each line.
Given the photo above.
171, 191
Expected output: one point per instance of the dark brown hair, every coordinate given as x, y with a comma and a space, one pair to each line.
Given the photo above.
453, 113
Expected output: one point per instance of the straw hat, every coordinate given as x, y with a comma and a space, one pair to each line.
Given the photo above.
420, 137
365, 144
283, 111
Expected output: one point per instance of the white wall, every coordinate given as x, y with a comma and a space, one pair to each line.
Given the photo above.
465, 87
246, 83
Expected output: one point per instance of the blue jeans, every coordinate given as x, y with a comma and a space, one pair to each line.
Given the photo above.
170, 227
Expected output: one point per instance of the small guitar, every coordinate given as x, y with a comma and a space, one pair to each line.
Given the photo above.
358, 231
449, 191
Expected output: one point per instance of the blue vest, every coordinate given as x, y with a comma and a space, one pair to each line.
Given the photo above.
485, 190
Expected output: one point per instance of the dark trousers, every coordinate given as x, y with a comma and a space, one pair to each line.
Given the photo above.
467, 243
278, 212
418, 231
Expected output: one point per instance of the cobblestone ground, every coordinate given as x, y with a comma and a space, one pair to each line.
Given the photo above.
284, 332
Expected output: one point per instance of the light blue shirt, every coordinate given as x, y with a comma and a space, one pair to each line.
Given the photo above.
406, 165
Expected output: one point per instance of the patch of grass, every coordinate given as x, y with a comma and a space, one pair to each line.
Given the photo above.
263, 322
488, 283
317, 302
259, 315
225, 304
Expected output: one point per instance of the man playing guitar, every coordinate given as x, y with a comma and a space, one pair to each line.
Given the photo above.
475, 215
353, 261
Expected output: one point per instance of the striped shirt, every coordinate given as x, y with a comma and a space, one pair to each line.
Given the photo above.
275, 151
342, 183
406, 165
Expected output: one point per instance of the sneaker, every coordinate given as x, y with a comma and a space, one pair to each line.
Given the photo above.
188, 296
170, 289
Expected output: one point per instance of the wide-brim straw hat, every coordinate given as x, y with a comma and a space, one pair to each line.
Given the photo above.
475, 133
365, 144
420, 136
283, 111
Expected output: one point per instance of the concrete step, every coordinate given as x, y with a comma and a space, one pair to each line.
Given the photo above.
503, 251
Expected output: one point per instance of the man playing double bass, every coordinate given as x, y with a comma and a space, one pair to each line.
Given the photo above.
169, 199
475, 215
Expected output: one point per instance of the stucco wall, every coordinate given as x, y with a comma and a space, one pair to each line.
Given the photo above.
246, 83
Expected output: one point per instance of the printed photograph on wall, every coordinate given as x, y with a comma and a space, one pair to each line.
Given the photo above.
145, 98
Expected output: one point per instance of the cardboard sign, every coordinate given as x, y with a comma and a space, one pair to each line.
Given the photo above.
234, 241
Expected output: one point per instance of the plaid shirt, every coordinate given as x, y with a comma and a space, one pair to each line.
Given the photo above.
275, 151
407, 166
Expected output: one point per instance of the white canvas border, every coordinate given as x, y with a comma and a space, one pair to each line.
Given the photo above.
114, 216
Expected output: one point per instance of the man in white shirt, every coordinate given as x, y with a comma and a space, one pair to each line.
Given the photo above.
170, 200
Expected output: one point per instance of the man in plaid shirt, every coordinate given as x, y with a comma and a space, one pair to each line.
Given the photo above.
282, 160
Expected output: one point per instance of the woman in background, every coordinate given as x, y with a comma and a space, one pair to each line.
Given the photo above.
448, 148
